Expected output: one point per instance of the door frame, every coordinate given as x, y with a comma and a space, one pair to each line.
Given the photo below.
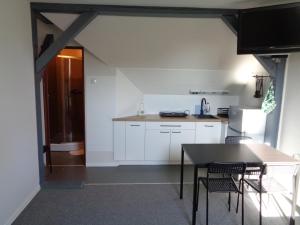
46, 111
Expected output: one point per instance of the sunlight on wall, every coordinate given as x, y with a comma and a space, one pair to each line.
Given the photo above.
244, 71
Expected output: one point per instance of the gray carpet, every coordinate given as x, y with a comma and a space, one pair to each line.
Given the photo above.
150, 204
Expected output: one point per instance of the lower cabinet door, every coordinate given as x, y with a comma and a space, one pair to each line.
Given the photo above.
177, 139
157, 145
208, 132
135, 140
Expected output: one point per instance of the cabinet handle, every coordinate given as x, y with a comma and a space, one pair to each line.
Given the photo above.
170, 125
176, 132
135, 125
164, 132
208, 125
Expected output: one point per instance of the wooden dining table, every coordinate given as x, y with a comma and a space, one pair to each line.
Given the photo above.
201, 155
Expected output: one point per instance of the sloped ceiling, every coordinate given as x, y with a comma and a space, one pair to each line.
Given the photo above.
167, 55
145, 42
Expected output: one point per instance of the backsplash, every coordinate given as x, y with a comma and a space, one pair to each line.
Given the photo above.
155, 103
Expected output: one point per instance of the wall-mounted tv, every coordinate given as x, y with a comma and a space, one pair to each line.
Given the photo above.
268, 30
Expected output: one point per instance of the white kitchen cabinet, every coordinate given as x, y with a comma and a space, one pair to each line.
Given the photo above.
135, 141
179, 137
119, 140
157, 145
208, 132
160, 142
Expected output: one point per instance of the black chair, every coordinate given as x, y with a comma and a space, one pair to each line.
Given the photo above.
255, 184
258, 171
237, 139
222, 181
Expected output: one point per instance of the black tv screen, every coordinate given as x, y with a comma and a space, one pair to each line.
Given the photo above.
269, 30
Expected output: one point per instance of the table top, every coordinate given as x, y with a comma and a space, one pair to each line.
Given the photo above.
202, 154
271, 156
252, 154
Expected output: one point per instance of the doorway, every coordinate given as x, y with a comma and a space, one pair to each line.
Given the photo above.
63, 91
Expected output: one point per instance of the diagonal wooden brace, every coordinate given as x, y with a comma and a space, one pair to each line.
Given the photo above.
72, 31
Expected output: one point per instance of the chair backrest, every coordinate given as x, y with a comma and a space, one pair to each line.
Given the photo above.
226, 168
237, 139
258, 170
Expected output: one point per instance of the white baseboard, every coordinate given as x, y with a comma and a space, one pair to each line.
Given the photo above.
23, 205
108, 164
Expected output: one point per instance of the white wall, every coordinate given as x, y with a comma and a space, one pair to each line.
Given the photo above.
171, 55
99, 110
128, 96
108, 94
245, 73
158, 42
19, 173
180, 81
290, 125
156, 103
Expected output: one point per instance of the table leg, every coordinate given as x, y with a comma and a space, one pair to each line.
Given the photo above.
181, 172
195, 195
295, 195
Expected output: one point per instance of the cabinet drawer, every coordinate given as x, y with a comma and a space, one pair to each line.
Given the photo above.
170, 125
133, 124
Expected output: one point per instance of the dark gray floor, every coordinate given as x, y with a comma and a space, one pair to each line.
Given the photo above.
129, 195
144, 204
120, 174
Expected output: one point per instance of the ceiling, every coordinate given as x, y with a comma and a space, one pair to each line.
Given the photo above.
152, 42
151, 51
149, 42
179, 3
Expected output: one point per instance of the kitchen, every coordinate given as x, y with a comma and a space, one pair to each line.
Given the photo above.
209, 69
158, 82
157, 138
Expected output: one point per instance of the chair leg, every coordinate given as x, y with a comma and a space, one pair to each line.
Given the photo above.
238, 197
229, 201
242, 202
260, 201
207, 206
198, 191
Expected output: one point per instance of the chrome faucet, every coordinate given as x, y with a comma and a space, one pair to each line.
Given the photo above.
203, 103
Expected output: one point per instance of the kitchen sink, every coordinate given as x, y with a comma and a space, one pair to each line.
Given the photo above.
205, 116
